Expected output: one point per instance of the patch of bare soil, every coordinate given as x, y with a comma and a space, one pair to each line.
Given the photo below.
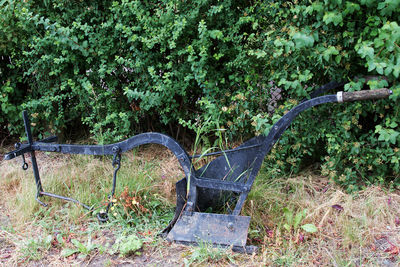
6, 247
168, 255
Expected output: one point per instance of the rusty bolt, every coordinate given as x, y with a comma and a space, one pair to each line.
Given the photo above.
230, 227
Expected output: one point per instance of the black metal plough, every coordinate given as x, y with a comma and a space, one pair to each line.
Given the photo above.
226, 179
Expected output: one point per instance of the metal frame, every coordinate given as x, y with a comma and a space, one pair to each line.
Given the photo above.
229, 176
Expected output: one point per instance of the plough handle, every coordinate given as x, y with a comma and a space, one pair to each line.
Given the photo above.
363, 95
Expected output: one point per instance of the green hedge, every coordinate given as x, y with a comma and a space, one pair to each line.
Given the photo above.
124, 67
116, 65
302, 42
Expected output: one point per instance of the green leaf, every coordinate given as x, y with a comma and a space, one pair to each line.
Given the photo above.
351, 7
297, 219
258, 53
396, 70
216, 34
366, 51
379, 67
328, 52
79, 245
371, 66
333, 17
303, 40
68, 252
128, 244
288, 215
309, 228
388, 6
60, 238
393, 124
393, 136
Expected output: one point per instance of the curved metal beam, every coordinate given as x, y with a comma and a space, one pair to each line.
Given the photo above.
324, 88
273, 136
126, 145
281, 125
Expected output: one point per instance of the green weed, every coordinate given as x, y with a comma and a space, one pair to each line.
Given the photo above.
127, 245
34, 248
84, 249
293, 223
205, 253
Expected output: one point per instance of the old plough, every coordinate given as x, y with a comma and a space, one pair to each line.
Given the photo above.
226, 179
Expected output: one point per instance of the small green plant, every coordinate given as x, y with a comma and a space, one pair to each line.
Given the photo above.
127, 245
206, 253
82, 249
33, 248
293, 221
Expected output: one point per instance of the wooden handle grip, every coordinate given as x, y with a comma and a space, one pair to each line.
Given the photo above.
364, 95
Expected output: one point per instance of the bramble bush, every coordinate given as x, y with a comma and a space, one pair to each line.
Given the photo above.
124, 67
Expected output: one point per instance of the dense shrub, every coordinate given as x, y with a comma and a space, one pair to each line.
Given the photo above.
117, 65
304, 42
125, 67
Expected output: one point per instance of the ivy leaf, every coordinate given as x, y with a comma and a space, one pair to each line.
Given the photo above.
368, 3
393, 124
278, 43
366, 51
379, 67
303, 40
328, 52
387, 135
387, 7
258, 53
396, 70
351, 7
371, 66
333, 17
393, 136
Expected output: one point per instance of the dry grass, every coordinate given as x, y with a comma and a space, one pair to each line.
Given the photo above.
350, 227
363, 229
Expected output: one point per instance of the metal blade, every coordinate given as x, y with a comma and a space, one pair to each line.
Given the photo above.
220, 229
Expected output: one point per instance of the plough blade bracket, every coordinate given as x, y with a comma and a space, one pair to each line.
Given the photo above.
218, 229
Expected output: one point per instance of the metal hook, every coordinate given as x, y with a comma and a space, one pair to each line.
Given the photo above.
116, 163
102, 217
24, 164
